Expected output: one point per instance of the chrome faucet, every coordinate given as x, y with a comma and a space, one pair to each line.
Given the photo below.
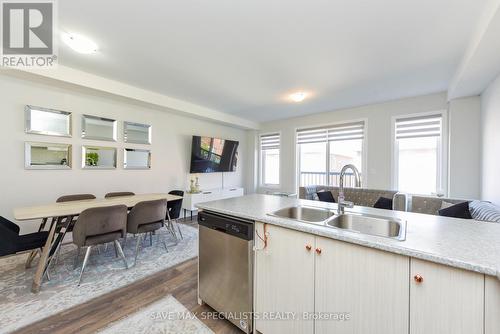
342, 203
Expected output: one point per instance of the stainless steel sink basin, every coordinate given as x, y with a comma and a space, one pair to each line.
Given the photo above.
362, 223
305, 214
372, 225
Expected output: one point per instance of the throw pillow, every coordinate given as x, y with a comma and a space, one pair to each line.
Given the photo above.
485, 211
326, 196
460, 210
383, 203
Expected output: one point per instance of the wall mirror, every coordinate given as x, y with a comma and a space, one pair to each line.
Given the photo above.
45, 121
47, 156
136, 159
97, 157
98, 128
136, 133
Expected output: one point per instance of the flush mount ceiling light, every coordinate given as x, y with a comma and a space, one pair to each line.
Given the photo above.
298, 96
79, 43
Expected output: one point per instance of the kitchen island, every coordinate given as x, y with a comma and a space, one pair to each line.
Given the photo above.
441, 279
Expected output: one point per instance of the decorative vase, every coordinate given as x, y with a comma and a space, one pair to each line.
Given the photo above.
197, 185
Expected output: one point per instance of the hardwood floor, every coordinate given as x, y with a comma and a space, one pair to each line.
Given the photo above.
179, 281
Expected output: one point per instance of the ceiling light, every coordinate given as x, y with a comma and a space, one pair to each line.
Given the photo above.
298, 96
79, 43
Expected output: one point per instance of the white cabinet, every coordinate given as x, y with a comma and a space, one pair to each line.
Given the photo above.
284, 280
370, 285
445, 300
492, 305
382, 293
190, 200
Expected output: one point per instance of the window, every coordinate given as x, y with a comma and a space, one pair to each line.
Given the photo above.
418, 154
270, 159
323, 152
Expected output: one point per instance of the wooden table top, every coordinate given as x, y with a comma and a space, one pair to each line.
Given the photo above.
72, 208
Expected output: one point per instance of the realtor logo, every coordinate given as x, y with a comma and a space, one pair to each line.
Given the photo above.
28, 34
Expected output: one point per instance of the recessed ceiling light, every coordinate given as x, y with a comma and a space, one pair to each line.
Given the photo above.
298, 96
79, 43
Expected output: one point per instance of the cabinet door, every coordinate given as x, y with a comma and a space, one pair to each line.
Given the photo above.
492, 305
284, 281
445, 300
371, 286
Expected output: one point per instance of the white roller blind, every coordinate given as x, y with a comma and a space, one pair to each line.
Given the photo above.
348, 131
422, 126
270, 141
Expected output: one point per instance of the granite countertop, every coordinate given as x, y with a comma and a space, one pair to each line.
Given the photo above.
460, 243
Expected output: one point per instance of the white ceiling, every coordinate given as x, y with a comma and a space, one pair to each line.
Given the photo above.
245, 57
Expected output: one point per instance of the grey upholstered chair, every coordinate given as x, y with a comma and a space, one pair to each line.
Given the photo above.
97, 226
174, 212
119, 194
76, 197
146, 217
63, 222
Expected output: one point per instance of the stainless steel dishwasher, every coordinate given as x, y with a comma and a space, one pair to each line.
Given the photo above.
226, 266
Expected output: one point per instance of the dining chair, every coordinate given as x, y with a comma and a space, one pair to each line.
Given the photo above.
174, 210
98, 226
11, 242
146, 217
67, 222
119, 194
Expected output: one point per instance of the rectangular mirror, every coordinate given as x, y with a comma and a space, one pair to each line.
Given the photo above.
50, 122
136, 133
136, 159
96, 157
47, 156
98, 128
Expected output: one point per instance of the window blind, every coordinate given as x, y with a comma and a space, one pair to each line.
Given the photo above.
416, 127
348, 131
270, 141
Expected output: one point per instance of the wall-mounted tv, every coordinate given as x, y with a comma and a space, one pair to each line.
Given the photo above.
212, 155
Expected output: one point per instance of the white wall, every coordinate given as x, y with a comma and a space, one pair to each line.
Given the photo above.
378, 139
490, 155
465, 143
171, 145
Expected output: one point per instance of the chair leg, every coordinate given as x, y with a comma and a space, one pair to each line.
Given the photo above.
151, 238
137, 244
75, 264
57, 252
179, 228
87, 254
30, 258
120, 251
172, 231
116, 249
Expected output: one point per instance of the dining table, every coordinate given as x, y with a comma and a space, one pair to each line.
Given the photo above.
61, 215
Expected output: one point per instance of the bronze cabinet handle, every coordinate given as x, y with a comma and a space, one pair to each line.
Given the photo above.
318, 250
308, 247
418, 278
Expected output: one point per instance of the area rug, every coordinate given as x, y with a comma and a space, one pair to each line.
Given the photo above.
104, 273
167, 315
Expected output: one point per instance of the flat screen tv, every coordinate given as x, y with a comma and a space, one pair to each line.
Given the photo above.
212, 155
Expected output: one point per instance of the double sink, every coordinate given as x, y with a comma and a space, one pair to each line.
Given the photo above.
356, 222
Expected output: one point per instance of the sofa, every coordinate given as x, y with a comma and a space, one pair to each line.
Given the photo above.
367, 197
359, 196
429, 205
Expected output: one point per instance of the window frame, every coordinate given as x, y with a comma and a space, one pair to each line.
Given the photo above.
442, 152
261, 161
364, 147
